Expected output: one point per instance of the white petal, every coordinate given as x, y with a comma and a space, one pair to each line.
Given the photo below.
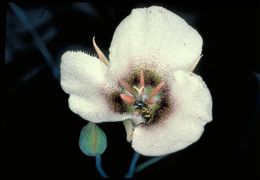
156, 36
81, 73
94, 109
192, 109
84, 78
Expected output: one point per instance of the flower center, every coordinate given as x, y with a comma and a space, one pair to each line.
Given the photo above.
142, 99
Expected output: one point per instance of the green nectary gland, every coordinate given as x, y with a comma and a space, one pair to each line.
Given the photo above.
150, 78
116, 103
166, 106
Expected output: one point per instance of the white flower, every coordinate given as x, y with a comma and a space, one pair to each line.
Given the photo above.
148, 79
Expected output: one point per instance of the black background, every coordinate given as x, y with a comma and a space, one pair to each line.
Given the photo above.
41, 133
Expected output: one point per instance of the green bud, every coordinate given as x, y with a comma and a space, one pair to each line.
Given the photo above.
92, 140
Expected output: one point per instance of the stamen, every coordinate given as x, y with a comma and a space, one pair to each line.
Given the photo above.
156, 90
150, 101
142, 78
127, 99
100, 54
126, 86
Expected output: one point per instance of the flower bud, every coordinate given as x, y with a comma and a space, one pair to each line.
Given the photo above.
92, 140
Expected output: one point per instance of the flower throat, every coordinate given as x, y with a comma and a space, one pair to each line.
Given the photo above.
141, 93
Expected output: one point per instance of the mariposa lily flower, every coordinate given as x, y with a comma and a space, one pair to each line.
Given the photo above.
148, 81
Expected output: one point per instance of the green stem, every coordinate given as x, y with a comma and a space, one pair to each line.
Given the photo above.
131, 170
37, 39
99, 167
148, 163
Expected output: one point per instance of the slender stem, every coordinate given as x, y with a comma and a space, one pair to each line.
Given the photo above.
99, 167
37, 39
31, 74
131, 169
148, 163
